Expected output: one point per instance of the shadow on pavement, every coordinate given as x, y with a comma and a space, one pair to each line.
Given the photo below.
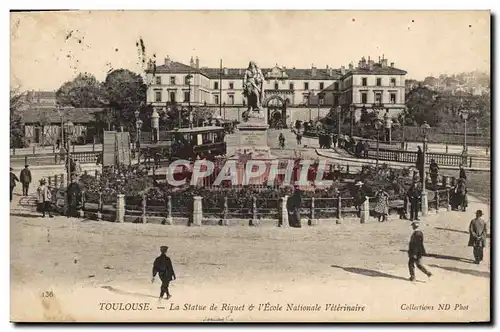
370, 273
455, 230
463, 271
452, 258
117, 291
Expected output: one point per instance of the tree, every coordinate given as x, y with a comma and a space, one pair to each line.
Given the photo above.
83, 91
17, 103
125, 92
422, 106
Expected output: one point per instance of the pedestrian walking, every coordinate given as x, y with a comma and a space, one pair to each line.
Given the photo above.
44, 199
382, 205
477, 236
416, 250
414, 194
163, 267
25, 179
294, 203
13, 179
334, 140
282, 141
420, 162
299, 139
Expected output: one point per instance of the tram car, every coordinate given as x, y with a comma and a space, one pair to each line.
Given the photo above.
187, 143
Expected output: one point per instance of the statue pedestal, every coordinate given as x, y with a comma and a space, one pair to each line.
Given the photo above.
252, 137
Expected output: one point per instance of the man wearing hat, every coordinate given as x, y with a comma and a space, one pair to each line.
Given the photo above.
415, 251
13, 179
25, 178
413, 196
477, 236
74, 196
163, 267
359, 196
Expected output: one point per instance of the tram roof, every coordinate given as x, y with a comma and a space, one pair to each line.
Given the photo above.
197, 129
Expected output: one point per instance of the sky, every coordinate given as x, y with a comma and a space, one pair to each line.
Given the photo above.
50, 48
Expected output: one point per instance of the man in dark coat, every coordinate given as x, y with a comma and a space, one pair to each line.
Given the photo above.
433, 172
293, 206
414, 194
462, 174
415, 252
13, 179
359, 196
74, 197
25, 179
420, 163
163, 267
477, 236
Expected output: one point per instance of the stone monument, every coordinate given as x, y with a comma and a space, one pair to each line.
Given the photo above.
252, 132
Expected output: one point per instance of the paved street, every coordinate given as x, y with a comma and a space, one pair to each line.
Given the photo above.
356, 264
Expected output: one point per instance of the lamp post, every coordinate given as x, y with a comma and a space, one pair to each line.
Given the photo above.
155, 125
339, 111
425, 204
188, 79
353, 108
464, 114
138, 125
378, 125
403, 132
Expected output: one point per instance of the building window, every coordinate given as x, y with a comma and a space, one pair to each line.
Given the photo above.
379, 81
393, 98
172, 96
158, 80
378, 98
306, 86
186, 96
364, 98
158, 96
231, 86
187, 80
321, 100
321, 85
216, 85
172, 80
291, 86
216, 99
276, 86
335, 100
230, 99
393, 82
336, 86
364, 81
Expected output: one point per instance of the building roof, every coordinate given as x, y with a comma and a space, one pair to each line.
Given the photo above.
175, 67
377, 69
75, 115
41, 94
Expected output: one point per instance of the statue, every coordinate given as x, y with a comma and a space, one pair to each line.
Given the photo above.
252, 90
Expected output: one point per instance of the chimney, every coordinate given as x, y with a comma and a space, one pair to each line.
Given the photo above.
197, 63
225, 71
350, 66
342, 70
313, 71
370, 64
384, 63
167, 61
191, 62
392, 64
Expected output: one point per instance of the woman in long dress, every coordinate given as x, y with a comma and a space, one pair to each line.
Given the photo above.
382, 205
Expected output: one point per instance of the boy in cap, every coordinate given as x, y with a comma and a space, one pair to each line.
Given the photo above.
477, 236
415, 251
163, 267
